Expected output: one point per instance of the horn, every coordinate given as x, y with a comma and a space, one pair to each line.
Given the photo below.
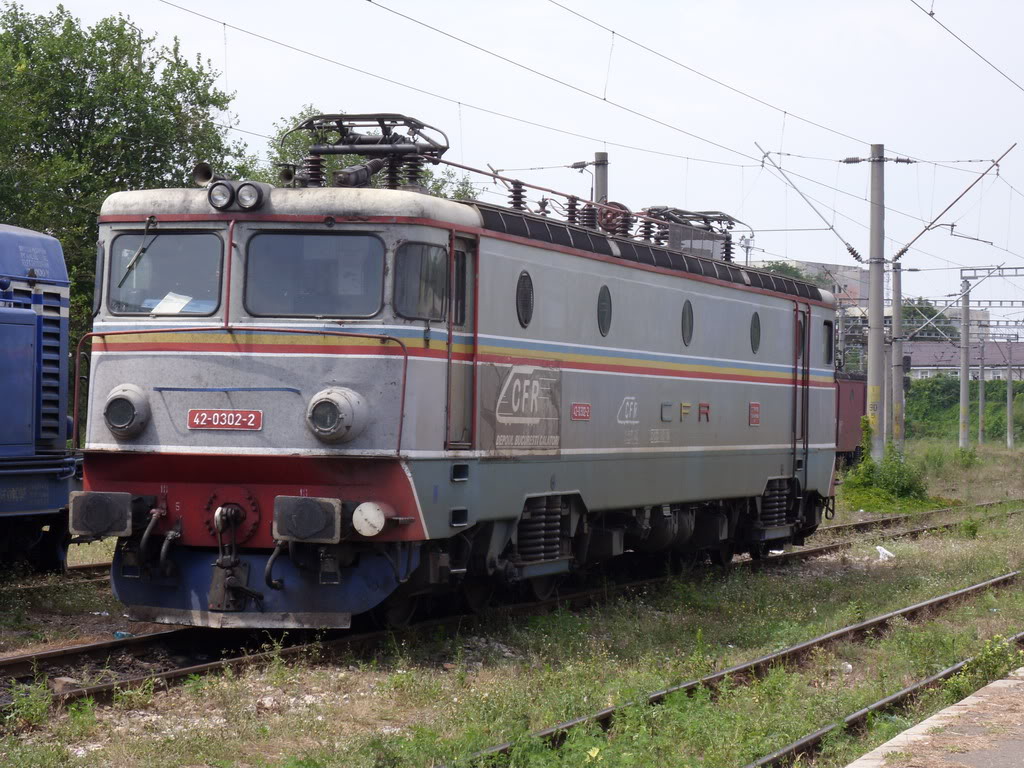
287, 173
203, 174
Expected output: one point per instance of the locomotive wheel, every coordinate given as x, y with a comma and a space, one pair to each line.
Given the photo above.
399, 612
722, 554
542, 587
685, 562
477, 594
759, 550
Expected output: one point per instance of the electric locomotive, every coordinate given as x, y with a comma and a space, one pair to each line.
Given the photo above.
36, 471
312, 401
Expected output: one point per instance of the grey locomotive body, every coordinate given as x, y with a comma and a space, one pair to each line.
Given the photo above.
345, 398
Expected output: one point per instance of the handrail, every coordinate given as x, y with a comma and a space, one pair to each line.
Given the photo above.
383, 338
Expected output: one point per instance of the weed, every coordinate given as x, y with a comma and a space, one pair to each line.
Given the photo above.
279, 673
196, 684
81, 718
30, 705
998, 657
969, 528
893, 475
135, 697
966, 458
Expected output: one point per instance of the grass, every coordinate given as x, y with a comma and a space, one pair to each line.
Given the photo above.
431, 697
514, 676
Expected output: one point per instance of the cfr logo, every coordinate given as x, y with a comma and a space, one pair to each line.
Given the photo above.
629, 411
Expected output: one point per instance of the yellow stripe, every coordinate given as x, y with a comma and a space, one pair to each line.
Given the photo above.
291, 339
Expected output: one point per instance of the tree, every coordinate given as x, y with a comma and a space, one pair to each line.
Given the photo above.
85, 112
918, 311
786, 269
291, 148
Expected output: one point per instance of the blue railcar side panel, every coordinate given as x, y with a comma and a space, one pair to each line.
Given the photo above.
17, 381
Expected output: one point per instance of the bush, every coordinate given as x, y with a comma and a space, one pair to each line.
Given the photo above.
893, 474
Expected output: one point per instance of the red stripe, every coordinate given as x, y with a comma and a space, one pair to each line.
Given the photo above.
441, 354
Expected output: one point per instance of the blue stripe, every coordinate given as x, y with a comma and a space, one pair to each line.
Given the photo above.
415, 333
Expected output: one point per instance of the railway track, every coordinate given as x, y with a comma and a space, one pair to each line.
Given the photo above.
808, 745
555, 735
96, 670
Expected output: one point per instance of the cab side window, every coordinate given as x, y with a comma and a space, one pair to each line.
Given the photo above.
421, 281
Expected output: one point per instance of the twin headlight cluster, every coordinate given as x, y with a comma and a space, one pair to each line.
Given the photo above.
334, 414
249, 195
223, 193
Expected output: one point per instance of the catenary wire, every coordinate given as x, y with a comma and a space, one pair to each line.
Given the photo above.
617, 105
931, 15
544, 126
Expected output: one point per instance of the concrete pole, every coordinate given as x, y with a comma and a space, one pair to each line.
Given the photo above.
889, 386
841, 335
981, 389
898, 431
876, 302
600, 177
1009, 394
965, 371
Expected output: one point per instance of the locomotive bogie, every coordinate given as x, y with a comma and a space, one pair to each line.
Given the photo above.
353, 396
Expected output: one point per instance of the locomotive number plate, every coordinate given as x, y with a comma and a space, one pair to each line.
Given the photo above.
218, 418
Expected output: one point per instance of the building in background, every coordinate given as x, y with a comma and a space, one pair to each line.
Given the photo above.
933, 358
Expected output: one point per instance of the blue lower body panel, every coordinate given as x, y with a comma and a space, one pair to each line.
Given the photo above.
303, 602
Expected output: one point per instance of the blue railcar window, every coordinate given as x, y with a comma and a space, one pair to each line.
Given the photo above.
313, 274
168, 273
421, 281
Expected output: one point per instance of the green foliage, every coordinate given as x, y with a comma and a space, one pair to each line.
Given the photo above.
933, 409
893, 476
30, 705
135, 697
998, 657
85, 112
969, 528
786, 269
917, 311
81, 718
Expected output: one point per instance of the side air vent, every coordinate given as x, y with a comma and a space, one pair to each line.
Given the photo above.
584, 239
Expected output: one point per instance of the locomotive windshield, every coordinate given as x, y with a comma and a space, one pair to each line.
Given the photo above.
178, 273
314, 274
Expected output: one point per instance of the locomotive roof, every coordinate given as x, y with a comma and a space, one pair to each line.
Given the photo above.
370, 202
310, 201
23, 251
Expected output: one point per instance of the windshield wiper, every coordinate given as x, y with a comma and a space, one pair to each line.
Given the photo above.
143, 247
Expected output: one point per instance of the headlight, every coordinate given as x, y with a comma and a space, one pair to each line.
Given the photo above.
336, 414
249, 195
370, 517
126, 411
221, 194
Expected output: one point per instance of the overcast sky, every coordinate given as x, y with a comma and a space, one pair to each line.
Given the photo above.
877, 70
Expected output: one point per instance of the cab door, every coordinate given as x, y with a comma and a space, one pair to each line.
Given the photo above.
801, 389
460, 400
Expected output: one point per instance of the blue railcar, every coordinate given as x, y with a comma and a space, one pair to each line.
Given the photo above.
37, 471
